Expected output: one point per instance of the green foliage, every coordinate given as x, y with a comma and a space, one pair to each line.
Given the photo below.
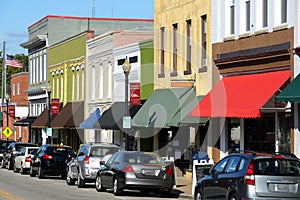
11, 70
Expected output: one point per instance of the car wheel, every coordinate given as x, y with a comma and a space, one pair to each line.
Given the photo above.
198, 195
15, 168
80, 182
233, 197
40, 173
117, 189
70, 181
22, 171
31, 172
8, 165
99, 187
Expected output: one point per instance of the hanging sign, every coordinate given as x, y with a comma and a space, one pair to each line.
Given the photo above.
55, 106
135, 94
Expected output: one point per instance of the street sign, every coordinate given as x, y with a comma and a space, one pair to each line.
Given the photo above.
7, 132
49, 132
126, 122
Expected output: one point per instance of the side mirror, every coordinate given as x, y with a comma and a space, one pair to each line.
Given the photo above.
206, 171
102, 163
81, 154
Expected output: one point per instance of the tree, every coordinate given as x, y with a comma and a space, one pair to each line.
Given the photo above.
22, 58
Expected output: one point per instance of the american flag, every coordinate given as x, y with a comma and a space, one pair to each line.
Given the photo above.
11, 61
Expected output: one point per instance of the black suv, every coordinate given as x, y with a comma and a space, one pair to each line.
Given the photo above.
3, 149
51, 160
250, 175
12, 151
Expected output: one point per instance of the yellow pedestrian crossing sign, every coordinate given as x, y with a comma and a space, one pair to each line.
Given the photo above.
7, 132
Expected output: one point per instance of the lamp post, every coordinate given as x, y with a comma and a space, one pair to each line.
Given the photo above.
7, 101
126, 68
49, 90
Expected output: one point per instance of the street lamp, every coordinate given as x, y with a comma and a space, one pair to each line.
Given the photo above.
126, 68
7, 101
49, 90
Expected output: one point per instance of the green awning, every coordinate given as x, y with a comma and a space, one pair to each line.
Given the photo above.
1, 116
291, 93
161, 107
183, 115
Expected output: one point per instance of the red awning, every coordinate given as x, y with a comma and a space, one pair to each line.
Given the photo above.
240, 96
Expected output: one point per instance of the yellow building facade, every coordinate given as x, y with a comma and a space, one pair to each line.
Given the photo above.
183, 56
183, 45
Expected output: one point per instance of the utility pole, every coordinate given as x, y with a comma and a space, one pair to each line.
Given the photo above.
3, 74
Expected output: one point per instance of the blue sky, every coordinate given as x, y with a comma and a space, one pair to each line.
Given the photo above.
17, 15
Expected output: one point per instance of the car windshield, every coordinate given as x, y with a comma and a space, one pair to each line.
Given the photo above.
32, 151
277, 167
137, 158
102, 151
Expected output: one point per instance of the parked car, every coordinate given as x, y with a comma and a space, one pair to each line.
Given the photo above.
3, 149
12, 151
51, 160
135, 170
22, 161
85, 166
251, 176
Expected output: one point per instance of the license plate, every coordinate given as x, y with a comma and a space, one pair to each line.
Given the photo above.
150, 172
281, 188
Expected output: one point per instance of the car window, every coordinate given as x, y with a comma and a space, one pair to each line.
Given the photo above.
220, 166
232, 164
242, 164
32, 151
277, 167
136, 158
111, 159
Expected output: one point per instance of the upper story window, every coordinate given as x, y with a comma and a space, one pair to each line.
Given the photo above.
232, 13
18, 88
13, 89
162, 53
188, 47
247, 15
283, 11
203, 67
264, 13
175, 29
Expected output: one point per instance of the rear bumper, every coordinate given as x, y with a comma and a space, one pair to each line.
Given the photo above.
131, 181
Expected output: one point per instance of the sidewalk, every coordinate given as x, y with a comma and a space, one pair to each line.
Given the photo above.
184, 186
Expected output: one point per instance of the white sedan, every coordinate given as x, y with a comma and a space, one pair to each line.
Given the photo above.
22, 161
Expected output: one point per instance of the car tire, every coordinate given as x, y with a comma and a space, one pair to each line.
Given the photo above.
198, 195
15, 168
31, 172
40, 173
22, 171
70, 181
117, 189
233, 197
80, 182
98, 184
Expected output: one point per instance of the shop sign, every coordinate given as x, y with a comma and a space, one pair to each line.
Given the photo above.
55, 106
135, 94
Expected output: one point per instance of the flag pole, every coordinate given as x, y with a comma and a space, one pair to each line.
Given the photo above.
3, 74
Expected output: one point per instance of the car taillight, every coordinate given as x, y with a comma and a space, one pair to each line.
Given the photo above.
169, 170
128, 168
27, 159
250, 177
87, 160
48, 157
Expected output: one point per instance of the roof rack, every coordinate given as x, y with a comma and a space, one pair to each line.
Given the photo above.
286, 154
253, 153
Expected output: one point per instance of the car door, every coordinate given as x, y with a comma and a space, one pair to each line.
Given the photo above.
230, 178
106, 172
211, 186
20, 157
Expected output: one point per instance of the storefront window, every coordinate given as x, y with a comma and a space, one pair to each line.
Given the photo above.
260, 134
234, 135
284, 136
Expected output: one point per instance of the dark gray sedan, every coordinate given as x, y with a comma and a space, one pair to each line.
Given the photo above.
135, 170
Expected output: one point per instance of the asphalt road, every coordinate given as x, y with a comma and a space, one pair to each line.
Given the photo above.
14, 186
